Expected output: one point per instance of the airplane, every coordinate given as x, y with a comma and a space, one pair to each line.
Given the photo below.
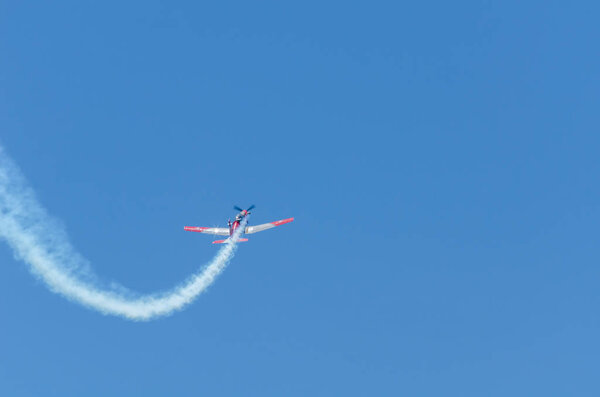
228, 231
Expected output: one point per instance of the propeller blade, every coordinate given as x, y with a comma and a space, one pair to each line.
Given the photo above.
235, 207
251, 207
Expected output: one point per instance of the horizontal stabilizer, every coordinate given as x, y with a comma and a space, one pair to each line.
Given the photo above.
226, 240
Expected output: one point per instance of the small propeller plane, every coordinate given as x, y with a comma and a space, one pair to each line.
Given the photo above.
232, 226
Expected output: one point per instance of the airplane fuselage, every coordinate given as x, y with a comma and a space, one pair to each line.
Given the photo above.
233, 227
236, 223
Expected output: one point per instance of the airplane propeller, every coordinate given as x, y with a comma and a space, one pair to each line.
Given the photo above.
235, 207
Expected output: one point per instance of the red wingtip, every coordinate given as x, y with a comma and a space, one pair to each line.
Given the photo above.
282, 222
194, 228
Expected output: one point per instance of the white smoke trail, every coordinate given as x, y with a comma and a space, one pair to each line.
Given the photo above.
42, 243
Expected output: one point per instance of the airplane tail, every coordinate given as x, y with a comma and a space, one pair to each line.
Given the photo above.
224, 241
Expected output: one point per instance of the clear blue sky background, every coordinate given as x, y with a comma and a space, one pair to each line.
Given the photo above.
440, 158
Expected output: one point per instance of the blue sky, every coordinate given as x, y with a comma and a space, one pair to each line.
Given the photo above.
441, 161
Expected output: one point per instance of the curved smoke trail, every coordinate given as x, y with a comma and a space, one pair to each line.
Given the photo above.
39, 241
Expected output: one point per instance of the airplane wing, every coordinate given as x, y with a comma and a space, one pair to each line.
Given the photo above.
221, 231
265, 226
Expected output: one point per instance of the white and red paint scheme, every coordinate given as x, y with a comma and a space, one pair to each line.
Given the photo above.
232, 226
